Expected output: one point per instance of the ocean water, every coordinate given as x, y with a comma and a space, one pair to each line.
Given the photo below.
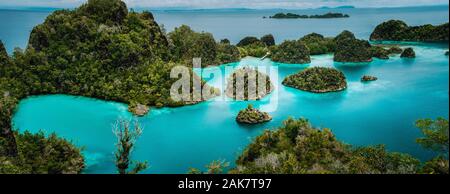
175, 139
235, 24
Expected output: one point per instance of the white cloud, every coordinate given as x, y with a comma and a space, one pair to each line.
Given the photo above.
232, 3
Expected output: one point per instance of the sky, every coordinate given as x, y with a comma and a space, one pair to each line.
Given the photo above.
257, 4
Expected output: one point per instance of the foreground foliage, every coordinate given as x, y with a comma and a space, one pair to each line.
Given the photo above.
397, 30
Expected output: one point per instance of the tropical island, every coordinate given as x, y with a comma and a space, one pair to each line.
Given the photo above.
104, 51
254, 85
368, 78
252, 115
297, 16
396, 30
317, 80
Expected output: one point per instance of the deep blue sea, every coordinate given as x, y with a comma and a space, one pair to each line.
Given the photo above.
175, 139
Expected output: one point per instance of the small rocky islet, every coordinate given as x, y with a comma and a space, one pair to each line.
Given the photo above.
368, 78
317, 80
252, 90
252, 115
408, 53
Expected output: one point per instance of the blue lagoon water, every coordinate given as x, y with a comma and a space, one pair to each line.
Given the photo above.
175, 139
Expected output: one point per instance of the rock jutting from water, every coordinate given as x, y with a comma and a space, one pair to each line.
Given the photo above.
368, 78
252, 115
248, 84
317, 80
408, 53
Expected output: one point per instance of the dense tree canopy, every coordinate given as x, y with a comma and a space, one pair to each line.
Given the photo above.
350, 49
294, 52
268, 39
248, 84
397, 30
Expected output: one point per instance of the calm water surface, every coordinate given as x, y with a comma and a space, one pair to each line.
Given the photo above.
381, 112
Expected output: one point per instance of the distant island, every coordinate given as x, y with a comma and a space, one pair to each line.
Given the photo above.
297, 16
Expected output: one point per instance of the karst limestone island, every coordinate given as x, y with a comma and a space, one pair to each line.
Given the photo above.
252, 115
104, 51
297, 16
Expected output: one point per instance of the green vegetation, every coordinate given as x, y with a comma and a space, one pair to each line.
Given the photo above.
257, 49
395, 50
317, 80
215, 167
379, 52
396, 30
435, 138
368, 78
298, 148
9, 145
98, 50
188, 44
126, 137
435, 134
350, 49
408, 53
252, 115
294, 52
39, 154
248, 84
268, 39
249, 40
297, 16
318, 44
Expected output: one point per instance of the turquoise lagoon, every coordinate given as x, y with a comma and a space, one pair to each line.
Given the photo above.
175, 139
